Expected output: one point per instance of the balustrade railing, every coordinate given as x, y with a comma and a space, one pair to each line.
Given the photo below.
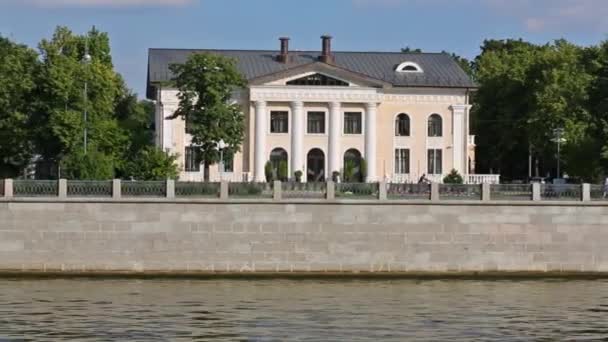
316, 190
599, 192
197, 189
357, 190
460, 192
35, 188
511, 192
256, 190
564, 192
143, 188
84, 188
408, 191
381, 191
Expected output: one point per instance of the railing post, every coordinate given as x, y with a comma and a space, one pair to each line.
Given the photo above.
331, 190
116, 189
277, 190
536, 196
586, 192
63, 188
224, 190
382, 195
8, 188
434, 192
486, 192
170, 188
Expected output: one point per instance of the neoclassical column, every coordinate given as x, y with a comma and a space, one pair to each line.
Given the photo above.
260, 141
370, 140
297, 137
334, 137
460, 139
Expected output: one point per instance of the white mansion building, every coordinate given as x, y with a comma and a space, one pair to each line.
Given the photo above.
405, 114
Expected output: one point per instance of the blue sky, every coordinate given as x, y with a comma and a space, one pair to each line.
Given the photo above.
384, 25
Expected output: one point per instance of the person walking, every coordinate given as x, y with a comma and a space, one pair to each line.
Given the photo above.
605, 188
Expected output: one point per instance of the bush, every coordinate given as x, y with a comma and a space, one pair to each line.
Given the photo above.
152, 164
269, 172
93, 165
453, 178
283, 171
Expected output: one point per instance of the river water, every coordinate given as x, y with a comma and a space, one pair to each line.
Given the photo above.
303, 310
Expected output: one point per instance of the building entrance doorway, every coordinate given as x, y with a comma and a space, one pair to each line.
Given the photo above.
315, 166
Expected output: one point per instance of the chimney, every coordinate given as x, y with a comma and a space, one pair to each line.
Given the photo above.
326, 56
283, 57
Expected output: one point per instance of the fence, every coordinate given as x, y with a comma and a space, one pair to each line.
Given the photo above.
318, 191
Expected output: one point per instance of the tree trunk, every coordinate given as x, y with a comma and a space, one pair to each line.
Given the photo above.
206, 171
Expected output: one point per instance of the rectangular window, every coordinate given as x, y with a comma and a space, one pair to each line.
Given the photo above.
279, 122
435, 162
402, 161
228, 161
193, 163
316, 122
352, 123
188, 123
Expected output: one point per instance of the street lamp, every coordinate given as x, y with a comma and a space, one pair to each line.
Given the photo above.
86, 60
558, 138
221, 145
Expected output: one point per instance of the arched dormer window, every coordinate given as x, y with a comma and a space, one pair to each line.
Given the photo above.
435, 126
409, 67
402, 125
317, 80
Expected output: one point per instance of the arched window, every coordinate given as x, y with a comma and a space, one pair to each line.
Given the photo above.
408, 67
435, 126
278, 156
402, 125
315, 166
352, 166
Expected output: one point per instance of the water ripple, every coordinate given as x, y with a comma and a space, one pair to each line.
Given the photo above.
222, 310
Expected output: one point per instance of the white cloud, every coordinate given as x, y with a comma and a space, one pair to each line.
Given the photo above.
98, 3
534, 15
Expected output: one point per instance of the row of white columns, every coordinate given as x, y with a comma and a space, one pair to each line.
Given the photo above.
297, 138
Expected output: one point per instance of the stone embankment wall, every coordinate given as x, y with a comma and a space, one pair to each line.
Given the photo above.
186, 237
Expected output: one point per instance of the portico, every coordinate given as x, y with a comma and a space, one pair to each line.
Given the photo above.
329, 141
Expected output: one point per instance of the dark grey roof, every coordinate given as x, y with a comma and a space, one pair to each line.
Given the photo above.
440, 70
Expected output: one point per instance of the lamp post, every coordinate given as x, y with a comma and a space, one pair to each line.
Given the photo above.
221, 145
558, 133
86, 60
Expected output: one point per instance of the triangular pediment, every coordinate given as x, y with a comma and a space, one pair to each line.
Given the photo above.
319, 74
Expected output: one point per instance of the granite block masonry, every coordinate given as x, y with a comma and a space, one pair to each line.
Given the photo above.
215, 236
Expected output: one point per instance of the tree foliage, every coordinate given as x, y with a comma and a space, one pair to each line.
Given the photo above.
526, 91
17, 72
152, 163
206, 83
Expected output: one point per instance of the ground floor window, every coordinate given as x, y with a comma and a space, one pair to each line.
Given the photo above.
228, 161
435, 161
193, 162
402, 161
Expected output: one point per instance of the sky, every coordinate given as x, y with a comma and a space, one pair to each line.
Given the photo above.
458, 26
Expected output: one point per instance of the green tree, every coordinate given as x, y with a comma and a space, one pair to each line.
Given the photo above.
60, 101
152, 163
526, 91
206, 83
17, 69
453, 178
91, 166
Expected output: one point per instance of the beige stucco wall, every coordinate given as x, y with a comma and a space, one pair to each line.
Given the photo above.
429, 101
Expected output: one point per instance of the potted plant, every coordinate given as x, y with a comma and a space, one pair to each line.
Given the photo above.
298, 175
